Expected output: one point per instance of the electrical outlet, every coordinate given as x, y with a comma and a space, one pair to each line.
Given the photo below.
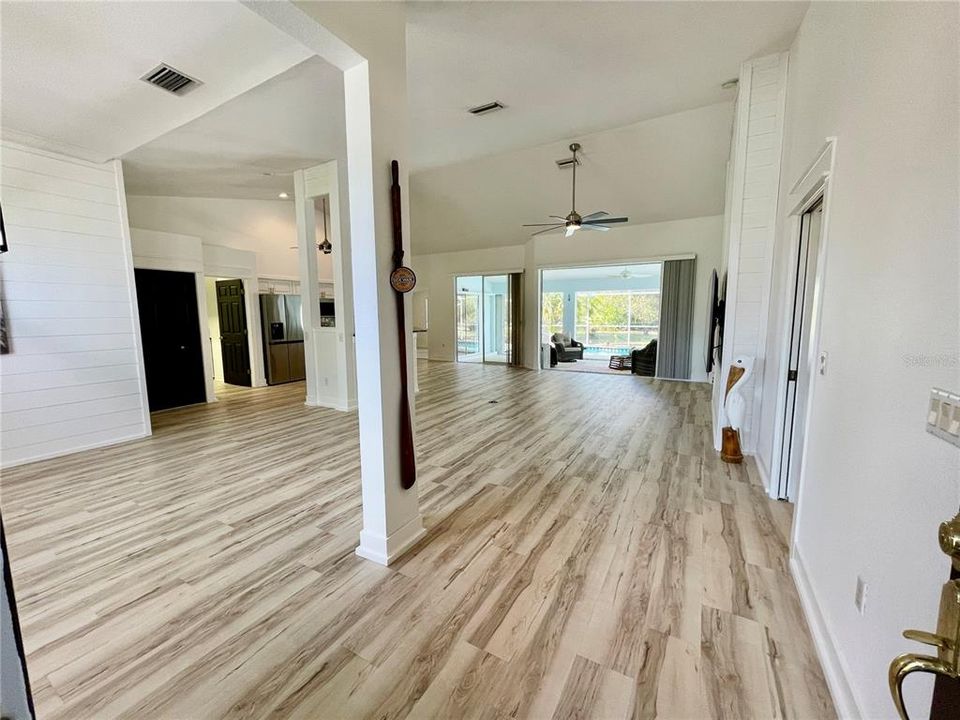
860, 596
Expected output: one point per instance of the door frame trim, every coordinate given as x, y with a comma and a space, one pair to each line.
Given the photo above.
813, 186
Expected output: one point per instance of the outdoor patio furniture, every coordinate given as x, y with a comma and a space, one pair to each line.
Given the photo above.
644, 361
568, 350
620, 362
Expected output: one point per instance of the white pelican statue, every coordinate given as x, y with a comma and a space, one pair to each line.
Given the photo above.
735, 407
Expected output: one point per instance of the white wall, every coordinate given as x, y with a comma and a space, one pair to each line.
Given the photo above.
265, 227
436, 272
883, 79
74, 378
435, 277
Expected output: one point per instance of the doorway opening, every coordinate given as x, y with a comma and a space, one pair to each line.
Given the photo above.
601, 319
800, 364
227, 331
483, 307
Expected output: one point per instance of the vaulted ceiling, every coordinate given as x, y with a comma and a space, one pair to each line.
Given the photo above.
568, 68
667, 168
70, 76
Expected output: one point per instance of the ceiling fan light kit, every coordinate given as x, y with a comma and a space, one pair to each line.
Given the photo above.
573, 221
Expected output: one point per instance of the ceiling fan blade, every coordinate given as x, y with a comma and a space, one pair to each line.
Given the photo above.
593, 226
542, 224
561, 219
546, 230
594, 216
605, 221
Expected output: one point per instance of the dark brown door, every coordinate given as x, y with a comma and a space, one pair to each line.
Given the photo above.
946, 690
231, 310
170, 330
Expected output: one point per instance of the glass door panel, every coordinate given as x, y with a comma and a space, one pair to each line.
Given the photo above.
495, 318
469, 318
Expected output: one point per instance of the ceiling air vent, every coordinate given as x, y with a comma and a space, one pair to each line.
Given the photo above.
171, 80
486, 108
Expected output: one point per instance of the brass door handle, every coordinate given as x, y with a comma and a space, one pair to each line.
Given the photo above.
904, 665
947, 638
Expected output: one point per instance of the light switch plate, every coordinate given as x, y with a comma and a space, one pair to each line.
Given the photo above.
943, 415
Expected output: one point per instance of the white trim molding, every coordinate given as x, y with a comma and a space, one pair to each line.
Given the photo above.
812, 186
834, 669
384, 550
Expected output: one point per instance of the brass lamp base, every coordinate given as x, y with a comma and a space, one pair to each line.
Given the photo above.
730, 448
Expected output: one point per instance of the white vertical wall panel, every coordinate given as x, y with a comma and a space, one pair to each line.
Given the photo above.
751, 223
74, 377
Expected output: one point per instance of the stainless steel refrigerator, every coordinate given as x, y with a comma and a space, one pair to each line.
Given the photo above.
282, 325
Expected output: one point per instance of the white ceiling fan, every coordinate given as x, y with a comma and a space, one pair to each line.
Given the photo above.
574, 221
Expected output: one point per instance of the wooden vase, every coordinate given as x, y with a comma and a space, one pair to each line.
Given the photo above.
730, 447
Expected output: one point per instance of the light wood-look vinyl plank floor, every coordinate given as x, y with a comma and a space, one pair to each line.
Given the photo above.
587, 556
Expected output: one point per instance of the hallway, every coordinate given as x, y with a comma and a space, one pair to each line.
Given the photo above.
587, 553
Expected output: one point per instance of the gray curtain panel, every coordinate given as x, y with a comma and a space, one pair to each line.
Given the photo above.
676, 319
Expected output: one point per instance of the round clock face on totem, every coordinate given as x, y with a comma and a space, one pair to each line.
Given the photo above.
403, 279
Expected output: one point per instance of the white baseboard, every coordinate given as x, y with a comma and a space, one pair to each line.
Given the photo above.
384, 550
80, 448
763, 472
331, 404
837, 677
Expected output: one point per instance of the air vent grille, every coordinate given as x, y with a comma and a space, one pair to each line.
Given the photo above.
171, 80
486, 108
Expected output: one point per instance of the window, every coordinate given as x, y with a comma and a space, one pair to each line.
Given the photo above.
468, 324
612, 322
551, 316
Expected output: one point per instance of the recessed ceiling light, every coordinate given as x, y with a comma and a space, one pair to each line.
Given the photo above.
283, 196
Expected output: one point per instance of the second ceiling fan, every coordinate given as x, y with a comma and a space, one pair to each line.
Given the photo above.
574, 221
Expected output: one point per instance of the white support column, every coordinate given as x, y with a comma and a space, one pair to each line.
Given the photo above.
368, 42
391, 515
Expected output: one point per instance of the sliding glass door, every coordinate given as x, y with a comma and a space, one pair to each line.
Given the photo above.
469, 318
483, 318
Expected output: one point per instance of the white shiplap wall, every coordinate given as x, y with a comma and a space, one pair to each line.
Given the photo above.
74, 378
750, 227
